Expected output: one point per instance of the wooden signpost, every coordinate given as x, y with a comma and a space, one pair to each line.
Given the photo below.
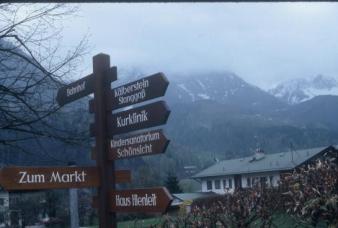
109, 145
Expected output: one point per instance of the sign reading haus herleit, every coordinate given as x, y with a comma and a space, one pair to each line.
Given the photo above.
147, 200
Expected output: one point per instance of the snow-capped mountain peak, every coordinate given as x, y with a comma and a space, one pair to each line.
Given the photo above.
302, 89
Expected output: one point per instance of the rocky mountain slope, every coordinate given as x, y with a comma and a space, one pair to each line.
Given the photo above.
299, 90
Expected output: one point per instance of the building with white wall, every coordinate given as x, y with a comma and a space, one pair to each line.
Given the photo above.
225, 176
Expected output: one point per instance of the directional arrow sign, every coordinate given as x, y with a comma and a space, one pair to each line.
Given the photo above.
29, 178
146, 143
140, 200
138, 91
146, 116
81, 87
75, 90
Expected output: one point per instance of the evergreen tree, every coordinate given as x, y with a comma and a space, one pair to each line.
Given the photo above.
172, 184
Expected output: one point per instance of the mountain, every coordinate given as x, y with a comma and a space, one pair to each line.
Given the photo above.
299, 90
224, 88
320, 111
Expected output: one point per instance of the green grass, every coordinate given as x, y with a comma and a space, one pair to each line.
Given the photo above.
139, 223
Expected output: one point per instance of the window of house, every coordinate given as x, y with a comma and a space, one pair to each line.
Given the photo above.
224, 183
263, 181
230, 183
209, 185
2, 201
217, 184
271, 180
248, 182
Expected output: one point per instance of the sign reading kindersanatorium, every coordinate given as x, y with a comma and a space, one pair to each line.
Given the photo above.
146, 116
146, 143
138, 91
29, 178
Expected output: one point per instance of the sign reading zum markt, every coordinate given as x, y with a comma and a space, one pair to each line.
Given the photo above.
138, 91
146, 143
148, 200
29, 178
146, 116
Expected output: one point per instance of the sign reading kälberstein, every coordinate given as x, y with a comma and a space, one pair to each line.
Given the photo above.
138, 91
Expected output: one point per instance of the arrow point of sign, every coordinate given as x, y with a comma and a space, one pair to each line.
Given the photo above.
166, 146
166, 111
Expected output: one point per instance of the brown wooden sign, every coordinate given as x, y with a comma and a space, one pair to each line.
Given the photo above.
138, 91
29, 178
81, 88
75, 90
146, 116
146, 143
151, 200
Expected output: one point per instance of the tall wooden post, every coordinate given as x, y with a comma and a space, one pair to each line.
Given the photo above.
101, 65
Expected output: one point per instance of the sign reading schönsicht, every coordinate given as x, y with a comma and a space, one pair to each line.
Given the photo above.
146, 143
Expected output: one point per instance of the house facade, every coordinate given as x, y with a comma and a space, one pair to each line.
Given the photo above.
259, 169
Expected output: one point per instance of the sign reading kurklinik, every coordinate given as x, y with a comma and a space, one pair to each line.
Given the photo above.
146, 116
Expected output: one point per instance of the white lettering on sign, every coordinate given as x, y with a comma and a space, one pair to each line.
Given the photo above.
31, 178
136, 200
76, 89
144, 138
125, 90
133, 151
134, 98
56, 177
131, 119
149, 201
122, 201
75, 177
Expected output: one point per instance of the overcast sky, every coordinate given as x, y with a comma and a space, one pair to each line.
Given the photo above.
263, 43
